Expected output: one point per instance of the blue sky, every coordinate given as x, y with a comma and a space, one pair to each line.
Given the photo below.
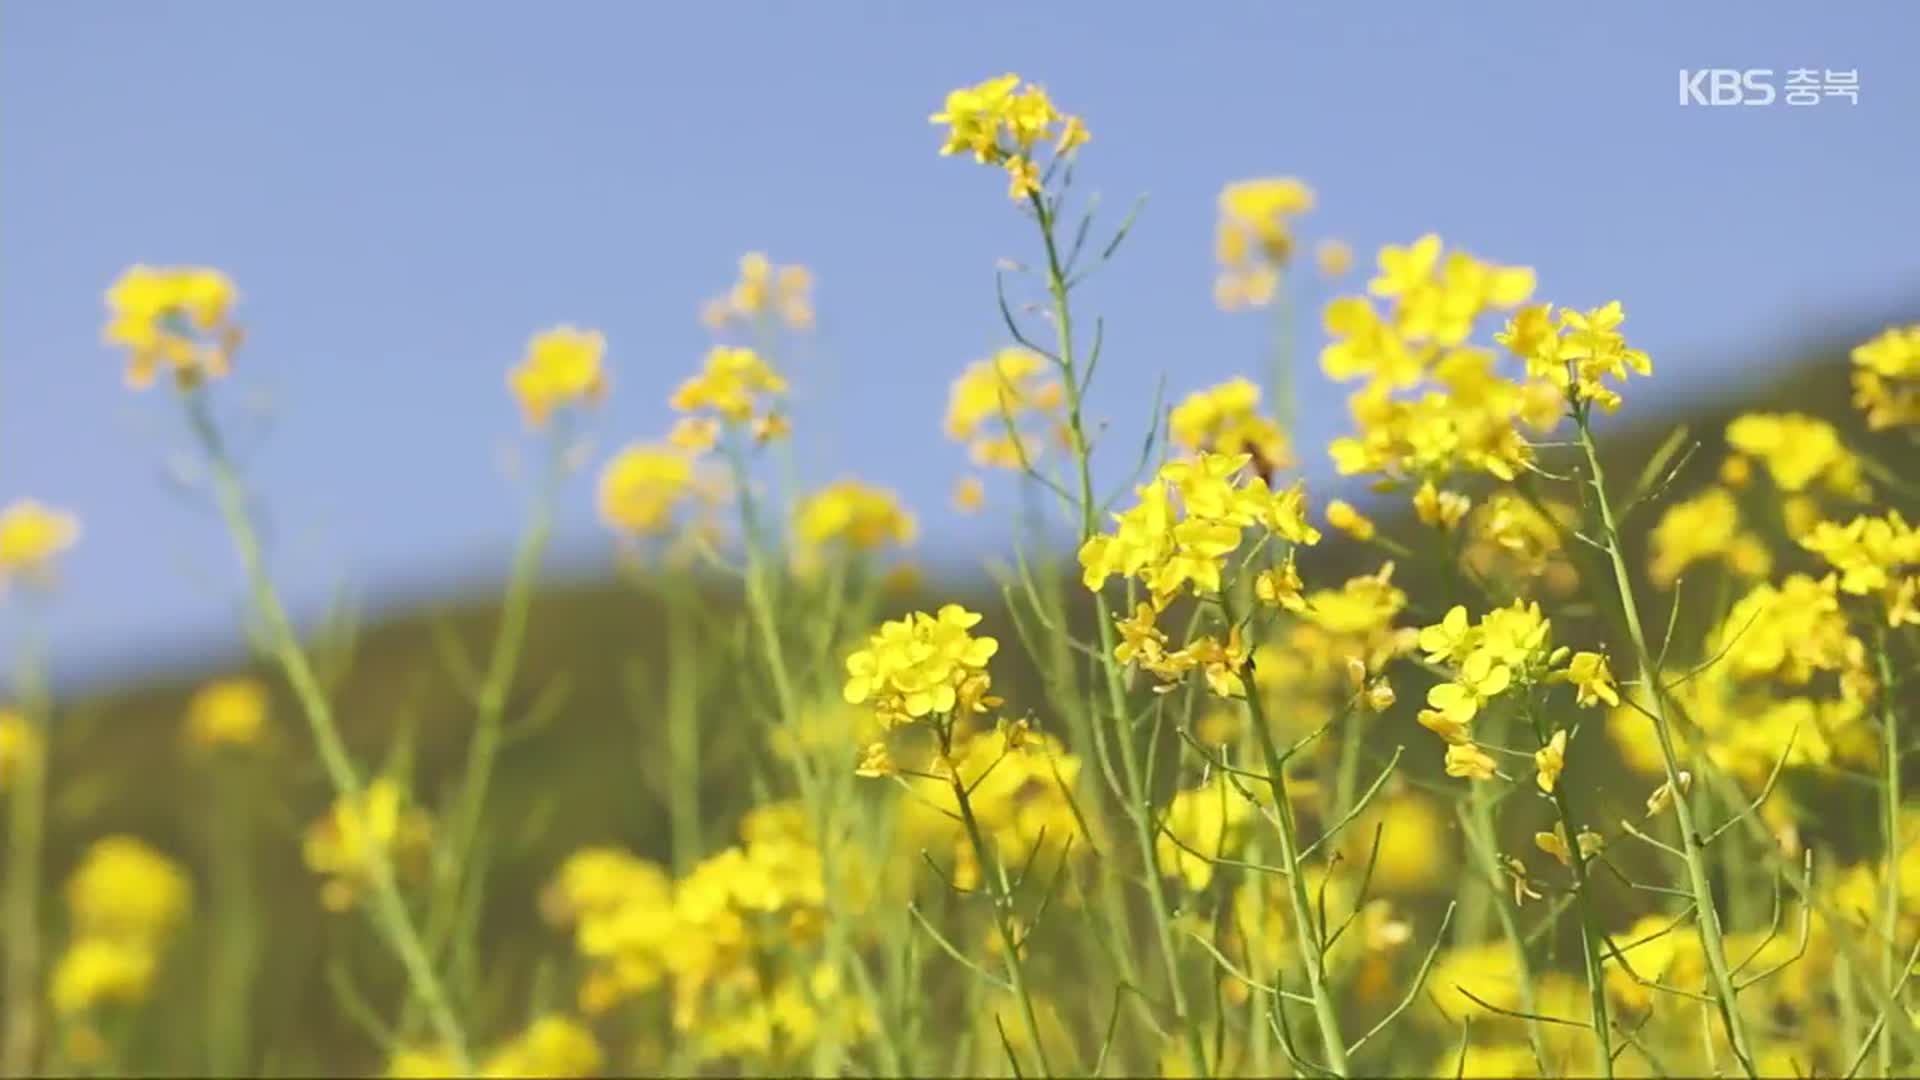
404, 192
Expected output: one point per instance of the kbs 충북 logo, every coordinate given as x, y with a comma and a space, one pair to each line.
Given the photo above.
1761, 86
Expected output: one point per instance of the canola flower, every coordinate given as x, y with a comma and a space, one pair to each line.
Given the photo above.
738, 386
995, 405
341, 845
1254, 239
227, 712
1225, 419
852, 513
642, 486
763, 291
124, 901
1886, 378
923, 665
32, 536
176, 318
1000, 122
563, 367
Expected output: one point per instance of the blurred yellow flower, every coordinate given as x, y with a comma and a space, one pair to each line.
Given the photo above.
642, 486
850, 512
1886, 378
20, 745
1549, 761
125, 890
990, 402
1225, 419
736, 383
228, 712
31, 535
178, 317
1254, 238
1341, 515
1333, 258
562, 368
1801, 453
97, 970
1202, 825
552, 1046
764, 289
969, 494
341, 845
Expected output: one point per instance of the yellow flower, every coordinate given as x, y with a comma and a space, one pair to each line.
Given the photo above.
969, 494
1254, 237
876, 761
864, 518
1550, 760
127, 891
990, 401
1415, 842
1206, 824
1341, 515
229, 712
1280, 587
342, 845
1001, 123
641, 487
1404, 269
1800, 452
1225, 419
1555, 844
31, 535
1480, 679
1440, 509
1886, 378
1333, 258
178, 317
763, 289
735, 383
1588, 673
20, 745
421, 1064
552, 1046
1467, 761
922, 665
562, 367
97, 970
1662, 796
1705, 527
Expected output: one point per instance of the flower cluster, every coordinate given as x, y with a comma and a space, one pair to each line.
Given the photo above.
1020, 786
1254, 239
642, 486
1225, 419
562, 368
1706, 528
342, 845
763, 290
176, 317
858, 515
124, 901
1886, 378
1876, 556
1339, 646
721, 940
1802, 454
1002, 123
1190, 518
1431, 403
923, 665
1508, 648
1577, 351
739, 386
1518, 543
31, 535
991, 403
228, 712
1203, 824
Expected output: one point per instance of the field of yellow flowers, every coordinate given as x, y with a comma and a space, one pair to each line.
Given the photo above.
1581, 773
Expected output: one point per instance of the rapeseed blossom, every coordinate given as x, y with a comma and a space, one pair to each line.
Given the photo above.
923, 665
1225, 419
1705, 528
1886, 378
1876, 556
32, 534
763, 291
179, 318
642, 486
124, 901
342, 845
562, 368
1002, 123
739, 386
995, 404
227, 712
1254, 239
862, 517
1801, 453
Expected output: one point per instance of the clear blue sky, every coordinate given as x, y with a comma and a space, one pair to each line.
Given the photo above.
405, 191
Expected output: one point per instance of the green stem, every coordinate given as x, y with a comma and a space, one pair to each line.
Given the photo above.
237, 928
389, 909
1484, 841
683, 732
1692, 849
1891, 961
1312, 944
1590, 931
994, 872
490, 706
1139, 795
26, 839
